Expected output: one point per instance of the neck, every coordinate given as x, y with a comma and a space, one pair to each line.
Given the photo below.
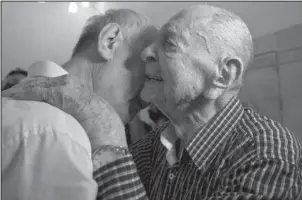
81, 68
188, 121
87, 69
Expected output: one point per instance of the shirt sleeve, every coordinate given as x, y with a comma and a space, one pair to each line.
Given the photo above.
261, 180
119, 180
128, 177
47, 166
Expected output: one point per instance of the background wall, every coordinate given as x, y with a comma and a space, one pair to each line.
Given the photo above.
36, 31
33, 31
273, 84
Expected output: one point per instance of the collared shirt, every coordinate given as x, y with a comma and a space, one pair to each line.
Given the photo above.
238, 154
46, 153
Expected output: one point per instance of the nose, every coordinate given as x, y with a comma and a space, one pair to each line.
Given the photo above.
149, 55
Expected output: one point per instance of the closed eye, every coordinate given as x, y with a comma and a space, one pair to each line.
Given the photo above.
170, 43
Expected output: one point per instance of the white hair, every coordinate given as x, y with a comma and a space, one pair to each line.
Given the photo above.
131, 24
224, 33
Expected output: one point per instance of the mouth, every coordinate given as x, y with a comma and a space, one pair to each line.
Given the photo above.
154, 78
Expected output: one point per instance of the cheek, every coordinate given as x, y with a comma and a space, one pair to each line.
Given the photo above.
132, 84
170, 68
135, 87
192, 86
185, 83
138, 78
132, 76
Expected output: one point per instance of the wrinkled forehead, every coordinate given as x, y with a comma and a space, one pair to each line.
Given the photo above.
187, 21
174, 26
175, 31
179, 27
187, 27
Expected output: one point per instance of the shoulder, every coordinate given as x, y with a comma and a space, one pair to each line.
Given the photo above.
270, 139
28, 119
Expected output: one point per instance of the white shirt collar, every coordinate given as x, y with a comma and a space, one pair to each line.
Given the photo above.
169, 138
46, 68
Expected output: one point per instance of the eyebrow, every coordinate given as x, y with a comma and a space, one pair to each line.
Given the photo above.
167, 32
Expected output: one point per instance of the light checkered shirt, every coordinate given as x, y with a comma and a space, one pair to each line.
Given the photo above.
238, 154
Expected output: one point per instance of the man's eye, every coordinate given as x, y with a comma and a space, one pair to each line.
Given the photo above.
170, 43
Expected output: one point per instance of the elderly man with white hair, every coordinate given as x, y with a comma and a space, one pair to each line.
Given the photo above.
212, 148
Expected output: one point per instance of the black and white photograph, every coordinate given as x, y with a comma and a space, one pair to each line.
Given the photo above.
151, 100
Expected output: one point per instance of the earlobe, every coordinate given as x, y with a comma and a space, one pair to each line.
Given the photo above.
213, 93
109, 40
216, 87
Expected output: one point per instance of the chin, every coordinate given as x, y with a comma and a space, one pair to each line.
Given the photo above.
151, 91
145, 96
148, 95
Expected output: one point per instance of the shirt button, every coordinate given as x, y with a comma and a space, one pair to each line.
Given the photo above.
171, 176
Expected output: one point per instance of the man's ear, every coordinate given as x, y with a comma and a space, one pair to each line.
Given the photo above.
229, 72
110, 37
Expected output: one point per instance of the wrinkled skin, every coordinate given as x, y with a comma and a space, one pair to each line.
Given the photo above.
68, 93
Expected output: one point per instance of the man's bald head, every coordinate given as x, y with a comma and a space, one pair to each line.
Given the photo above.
222, 32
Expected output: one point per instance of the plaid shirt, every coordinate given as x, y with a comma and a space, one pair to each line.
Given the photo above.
238, 154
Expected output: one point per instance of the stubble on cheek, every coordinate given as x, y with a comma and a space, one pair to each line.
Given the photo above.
187, 87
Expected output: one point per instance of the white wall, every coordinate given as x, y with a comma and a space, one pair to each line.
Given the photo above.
273, 84
33, 31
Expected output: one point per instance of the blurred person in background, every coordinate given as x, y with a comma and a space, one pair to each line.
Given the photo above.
147, 120
13, 78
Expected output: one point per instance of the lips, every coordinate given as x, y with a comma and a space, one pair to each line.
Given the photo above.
155, 78
151, 89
